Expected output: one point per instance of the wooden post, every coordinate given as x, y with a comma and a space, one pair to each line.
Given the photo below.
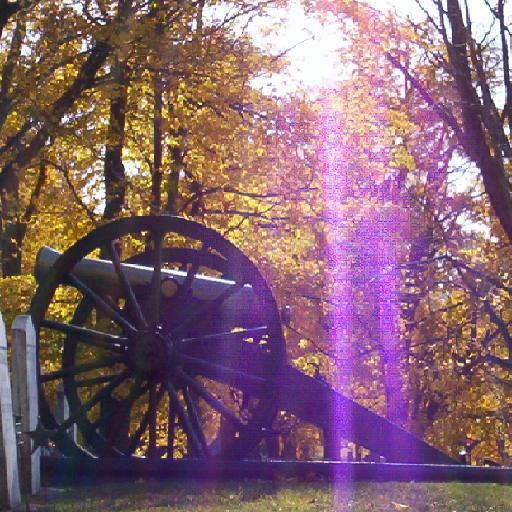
9, 475
332, 444
25, 394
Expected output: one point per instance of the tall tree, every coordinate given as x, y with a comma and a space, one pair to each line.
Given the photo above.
30, 128
456, 77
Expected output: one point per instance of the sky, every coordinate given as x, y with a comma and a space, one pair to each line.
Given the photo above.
312, 50
311, 47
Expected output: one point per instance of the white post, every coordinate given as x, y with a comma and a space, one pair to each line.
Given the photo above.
25, 394
9, 475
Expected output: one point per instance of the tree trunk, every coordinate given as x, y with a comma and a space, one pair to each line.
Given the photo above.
114, 172
10, 242
421, 249
475, 138
13, 227
10, 236
156, 176
7, 11
177, 166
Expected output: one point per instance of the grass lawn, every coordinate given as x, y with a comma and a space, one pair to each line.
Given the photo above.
262, 496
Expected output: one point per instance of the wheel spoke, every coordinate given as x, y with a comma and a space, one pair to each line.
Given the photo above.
81, 368
236, 335
133, 304
208, 309
171, 418
245, 378
201, 391
194, 417
156, 281
153, 406
184, 419
85, 383
192, 270
123, 411
143, 425
93, 401
101, 304
88, 336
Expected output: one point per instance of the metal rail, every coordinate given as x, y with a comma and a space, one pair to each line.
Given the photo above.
59, 471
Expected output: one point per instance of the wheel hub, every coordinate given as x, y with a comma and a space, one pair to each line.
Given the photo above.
151, 353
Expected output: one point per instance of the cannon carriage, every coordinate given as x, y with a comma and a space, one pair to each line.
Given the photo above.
173, 347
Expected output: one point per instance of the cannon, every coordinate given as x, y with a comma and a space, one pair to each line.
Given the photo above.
171, 345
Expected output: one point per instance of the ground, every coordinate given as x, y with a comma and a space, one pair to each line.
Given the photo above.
284, 496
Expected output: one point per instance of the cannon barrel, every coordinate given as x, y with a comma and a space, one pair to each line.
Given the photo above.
242, 307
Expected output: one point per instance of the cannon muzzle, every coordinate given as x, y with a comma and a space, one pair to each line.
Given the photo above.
241, 307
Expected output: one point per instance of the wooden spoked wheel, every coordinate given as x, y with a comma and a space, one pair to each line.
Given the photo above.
165, 368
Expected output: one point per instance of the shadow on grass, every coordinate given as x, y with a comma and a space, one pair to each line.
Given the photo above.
283, 496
